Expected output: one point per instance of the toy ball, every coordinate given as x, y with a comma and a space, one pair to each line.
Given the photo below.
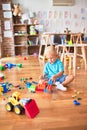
35, 55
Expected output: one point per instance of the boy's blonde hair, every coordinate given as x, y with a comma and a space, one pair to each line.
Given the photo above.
50, 50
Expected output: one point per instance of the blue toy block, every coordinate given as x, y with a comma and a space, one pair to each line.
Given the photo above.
4, 88
28, 84
34, 82
10, 65
76, 102
50, 82
45, 90
32, 88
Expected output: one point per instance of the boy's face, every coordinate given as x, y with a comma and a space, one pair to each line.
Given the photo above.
52, 58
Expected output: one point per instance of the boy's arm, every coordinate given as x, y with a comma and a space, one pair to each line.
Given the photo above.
44, 72
57, 75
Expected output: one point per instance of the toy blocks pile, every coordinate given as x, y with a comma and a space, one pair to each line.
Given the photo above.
42, 87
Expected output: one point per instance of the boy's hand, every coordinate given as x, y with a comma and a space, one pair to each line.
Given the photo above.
53, 78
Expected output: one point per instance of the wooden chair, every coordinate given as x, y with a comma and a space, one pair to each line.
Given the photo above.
76, 38
46, 40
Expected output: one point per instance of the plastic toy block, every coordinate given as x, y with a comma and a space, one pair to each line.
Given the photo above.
1, 89
30, 78
41, 87
31, 108
79, 98
34, 82
49, 88
21, 79
10, 85
10, 65
26, 79
5, 89
76, 102
74, 96
32, 88
2, 67
1, 78
28, 84
19, 65
78, 92
50, 82
25, 58
45, 90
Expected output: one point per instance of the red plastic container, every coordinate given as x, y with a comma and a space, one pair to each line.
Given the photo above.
31, 108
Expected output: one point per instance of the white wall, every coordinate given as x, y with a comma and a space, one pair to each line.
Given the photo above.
73, 17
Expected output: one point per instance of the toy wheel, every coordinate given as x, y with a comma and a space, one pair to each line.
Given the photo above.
9, 106
18, 109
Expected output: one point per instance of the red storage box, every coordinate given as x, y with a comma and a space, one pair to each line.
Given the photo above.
31, 108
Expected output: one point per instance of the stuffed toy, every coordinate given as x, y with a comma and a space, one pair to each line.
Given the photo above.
17, 10
32, 30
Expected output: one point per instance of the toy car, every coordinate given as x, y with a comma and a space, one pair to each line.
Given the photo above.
20, 105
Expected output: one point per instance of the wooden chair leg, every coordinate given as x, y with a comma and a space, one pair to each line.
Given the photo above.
84, 56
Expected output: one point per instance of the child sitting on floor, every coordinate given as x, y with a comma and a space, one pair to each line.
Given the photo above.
54, 70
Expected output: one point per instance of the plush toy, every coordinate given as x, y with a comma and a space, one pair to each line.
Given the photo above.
32, 30
17, 10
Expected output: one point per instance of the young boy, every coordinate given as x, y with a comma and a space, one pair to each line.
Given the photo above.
54, 70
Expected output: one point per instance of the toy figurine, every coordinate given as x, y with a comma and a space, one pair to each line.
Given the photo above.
32, 30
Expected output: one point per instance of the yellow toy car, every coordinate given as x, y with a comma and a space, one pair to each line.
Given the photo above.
14, 103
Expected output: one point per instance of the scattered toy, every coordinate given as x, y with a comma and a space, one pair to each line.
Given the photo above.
20, 104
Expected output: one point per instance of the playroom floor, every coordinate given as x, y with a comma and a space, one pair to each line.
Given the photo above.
57, 110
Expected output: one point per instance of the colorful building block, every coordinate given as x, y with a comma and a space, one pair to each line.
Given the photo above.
32, 88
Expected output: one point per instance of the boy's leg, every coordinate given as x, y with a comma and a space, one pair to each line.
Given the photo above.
68, 79
62, 81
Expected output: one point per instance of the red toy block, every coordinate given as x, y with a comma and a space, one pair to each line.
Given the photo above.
31, 108
41, 87
25, 58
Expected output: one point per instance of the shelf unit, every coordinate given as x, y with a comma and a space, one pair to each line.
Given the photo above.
20, 39
24, 43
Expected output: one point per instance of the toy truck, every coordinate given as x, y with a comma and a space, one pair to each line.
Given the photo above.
20, 105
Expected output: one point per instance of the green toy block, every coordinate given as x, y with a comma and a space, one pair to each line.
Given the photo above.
19, 65
79, 98
2, 67
32, 88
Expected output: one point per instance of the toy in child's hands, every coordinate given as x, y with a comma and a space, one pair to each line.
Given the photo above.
50, 82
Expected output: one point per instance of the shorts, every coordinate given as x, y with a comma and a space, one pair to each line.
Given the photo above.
61, 78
